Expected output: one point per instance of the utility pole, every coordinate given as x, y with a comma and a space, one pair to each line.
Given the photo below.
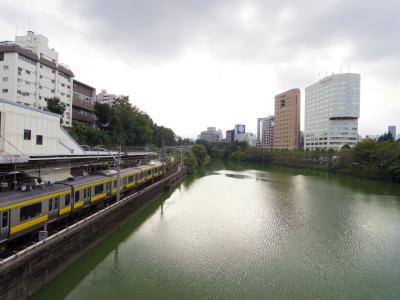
119, 174
117, 161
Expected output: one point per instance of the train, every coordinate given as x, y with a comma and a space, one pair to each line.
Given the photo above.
24, 212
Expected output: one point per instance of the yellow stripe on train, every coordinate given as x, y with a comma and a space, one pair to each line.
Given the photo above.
28, 224
65, 210
78, 204
98, 197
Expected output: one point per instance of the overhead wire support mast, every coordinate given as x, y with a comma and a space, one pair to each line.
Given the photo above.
117, 161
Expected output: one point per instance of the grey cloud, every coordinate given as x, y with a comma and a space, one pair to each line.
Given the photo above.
163, 29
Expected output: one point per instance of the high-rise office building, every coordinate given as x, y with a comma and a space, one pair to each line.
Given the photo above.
332, 109
30, 73
392, 131
287, 120
265, 132
230, 136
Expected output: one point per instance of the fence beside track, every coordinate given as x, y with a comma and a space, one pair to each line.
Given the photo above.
24, 273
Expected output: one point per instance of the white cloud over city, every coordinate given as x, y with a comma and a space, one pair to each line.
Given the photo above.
192, 64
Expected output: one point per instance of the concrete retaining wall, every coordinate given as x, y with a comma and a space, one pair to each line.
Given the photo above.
26, 272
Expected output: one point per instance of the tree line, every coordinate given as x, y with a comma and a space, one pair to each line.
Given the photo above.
122, 124
371, 159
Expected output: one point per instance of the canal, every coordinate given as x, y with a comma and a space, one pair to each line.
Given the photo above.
242, 232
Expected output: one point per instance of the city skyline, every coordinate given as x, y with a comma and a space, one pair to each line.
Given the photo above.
227, 55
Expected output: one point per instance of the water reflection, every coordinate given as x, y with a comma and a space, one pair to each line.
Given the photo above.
237, 232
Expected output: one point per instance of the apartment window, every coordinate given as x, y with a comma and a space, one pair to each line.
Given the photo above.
41, 66
5, 91
41, 77
1, 56
40, 87
53, 71
52, 91
19, 92
40, 97
62, 84
53, 81
5, 67
39, 139
68, 86
27, 134
27, 83
27, 72
5, 79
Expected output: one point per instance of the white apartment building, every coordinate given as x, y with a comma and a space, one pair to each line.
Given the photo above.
265, 132
248, 137
332, 109
211, 135
30, 72
106, 98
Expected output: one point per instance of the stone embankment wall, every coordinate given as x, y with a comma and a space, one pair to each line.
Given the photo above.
26, 272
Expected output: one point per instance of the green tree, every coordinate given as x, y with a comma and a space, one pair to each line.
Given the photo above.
191, 162
103, 114
55, 105
200, 153
386, 137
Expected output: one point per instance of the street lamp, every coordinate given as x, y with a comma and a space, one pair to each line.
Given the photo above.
117, 162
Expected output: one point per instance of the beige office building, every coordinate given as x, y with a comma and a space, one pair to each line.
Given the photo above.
287, 120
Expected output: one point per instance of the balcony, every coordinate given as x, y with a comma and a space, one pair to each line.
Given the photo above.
86, 105
87, 118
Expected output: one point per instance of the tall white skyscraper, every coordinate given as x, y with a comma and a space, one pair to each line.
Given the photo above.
332, 109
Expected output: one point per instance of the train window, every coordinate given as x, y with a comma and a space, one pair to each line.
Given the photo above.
77, 196
67, 199
50, 204
84, 193
4, 220
130, 179
89, 192
56, 201
30, 211
98, 189
115, 184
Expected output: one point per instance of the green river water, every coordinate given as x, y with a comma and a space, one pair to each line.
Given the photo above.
243, 232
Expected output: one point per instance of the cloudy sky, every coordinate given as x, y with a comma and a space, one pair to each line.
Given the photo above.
192, 64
